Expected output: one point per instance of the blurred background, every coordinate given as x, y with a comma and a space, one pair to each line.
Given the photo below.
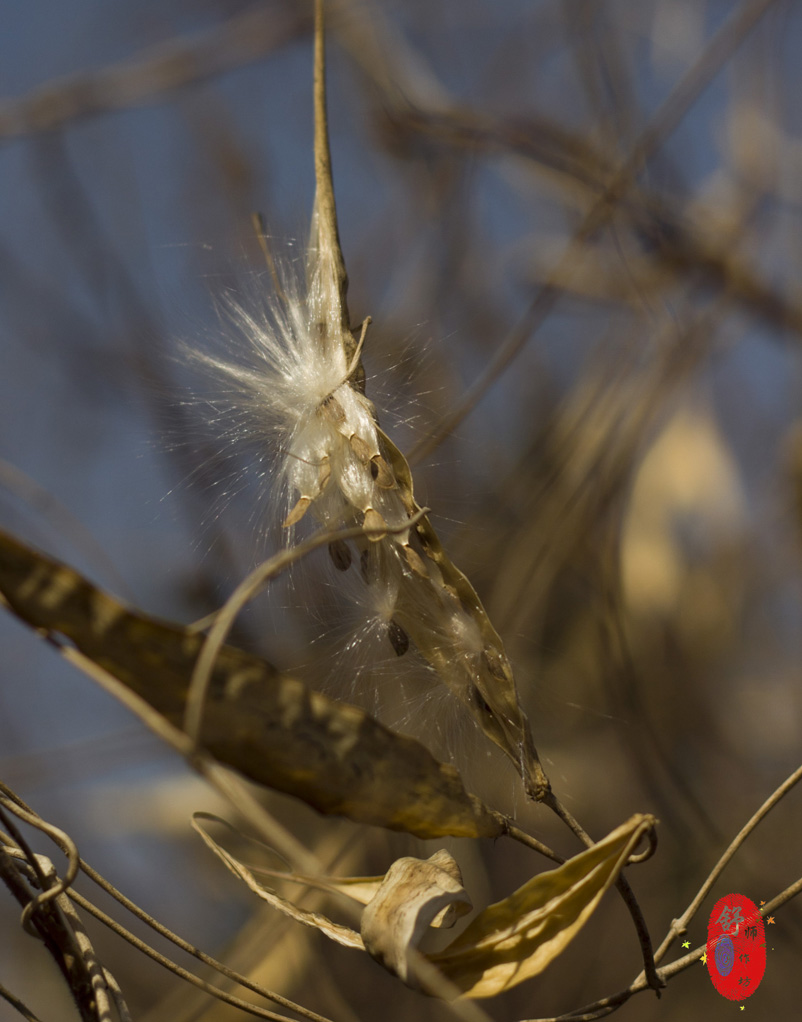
576, 226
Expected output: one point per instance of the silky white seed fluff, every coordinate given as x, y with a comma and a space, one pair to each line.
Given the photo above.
284, 388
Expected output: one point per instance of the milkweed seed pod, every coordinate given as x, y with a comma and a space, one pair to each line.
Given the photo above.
299, 390
304, 390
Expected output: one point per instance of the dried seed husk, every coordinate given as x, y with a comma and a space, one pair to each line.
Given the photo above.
301, 507
360, 448
384, 476
415, 561
505, 724
375, 521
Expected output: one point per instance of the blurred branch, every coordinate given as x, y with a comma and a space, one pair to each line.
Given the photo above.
718, 51
177, 970
190, 949
675, 243
157, 70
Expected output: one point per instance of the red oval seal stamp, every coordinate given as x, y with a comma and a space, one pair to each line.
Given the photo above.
736, 947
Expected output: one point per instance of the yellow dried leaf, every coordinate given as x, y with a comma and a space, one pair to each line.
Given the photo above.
413, 895
517, 938
507, 943
334, 931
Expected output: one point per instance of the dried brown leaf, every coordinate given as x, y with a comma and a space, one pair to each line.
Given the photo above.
266, 725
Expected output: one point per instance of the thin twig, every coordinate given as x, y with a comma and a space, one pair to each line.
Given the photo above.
9, 802
97, 973
18, 1005
49, 922
606, 1005
196, 952
100, 996
680, 925
30, 816
624, 889
171, 966
154, 72
526, 839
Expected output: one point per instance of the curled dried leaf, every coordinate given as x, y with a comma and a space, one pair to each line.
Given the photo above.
509, 942
414, 895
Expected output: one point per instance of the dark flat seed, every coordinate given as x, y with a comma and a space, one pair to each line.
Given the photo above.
340, 553
399, 639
